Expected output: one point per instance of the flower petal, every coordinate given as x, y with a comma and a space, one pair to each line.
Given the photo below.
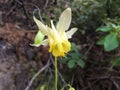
71, 32
44, 42
64, 20
66, 46
53, 32
57, 50
52, 25
39, 37
40, 25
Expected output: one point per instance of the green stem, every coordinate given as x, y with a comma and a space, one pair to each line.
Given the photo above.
56, 76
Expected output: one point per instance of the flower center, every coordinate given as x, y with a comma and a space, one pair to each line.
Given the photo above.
59, 49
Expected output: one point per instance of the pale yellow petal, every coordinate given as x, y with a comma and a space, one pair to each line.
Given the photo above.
50, 32
64, 20
71, 32
63, 36
44, 42
52, 25
40, 25
51, 43
54, 33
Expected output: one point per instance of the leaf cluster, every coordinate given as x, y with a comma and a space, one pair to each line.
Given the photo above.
111, 37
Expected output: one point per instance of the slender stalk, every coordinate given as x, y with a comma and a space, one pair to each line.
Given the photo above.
56, 76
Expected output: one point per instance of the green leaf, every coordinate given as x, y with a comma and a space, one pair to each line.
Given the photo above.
64, 59
104, 28
74, 55
114, 26
74, 47
38, 38
111, 42
81, 63
116, 61
71, 63
101, 41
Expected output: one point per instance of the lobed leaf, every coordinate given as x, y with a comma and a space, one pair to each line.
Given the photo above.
111, 42
81, 63
71, 63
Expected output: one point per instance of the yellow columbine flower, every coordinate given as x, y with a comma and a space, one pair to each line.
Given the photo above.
57, 36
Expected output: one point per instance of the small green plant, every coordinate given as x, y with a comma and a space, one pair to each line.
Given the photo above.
74, 58
111, 37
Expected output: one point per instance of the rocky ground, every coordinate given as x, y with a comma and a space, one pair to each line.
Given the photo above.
10, 69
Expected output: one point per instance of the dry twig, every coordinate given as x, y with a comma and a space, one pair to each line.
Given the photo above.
40, 71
